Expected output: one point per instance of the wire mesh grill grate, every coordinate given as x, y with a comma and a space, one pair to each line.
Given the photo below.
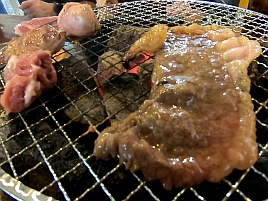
48, 147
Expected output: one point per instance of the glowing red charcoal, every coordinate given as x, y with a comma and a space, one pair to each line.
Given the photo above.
144, 57
132, 67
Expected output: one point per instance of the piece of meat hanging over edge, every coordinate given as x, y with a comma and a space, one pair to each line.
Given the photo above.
198, 123
26, 77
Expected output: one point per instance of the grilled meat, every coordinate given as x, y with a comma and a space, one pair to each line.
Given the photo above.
26, 77
198, 123
78, 19
151, 41
43, 38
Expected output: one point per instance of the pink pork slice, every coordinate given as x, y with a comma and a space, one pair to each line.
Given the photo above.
26, 77
34, 23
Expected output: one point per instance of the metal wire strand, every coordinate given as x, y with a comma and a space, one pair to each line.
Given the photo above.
77, 69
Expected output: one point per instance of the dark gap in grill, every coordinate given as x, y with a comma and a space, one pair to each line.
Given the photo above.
18, 160
121, 183
3, 156
235, 176
142, 194
257, 90
262, 115
52, 190
24, 162
77, 180
84, 96
74, 123
85, 144
6, 167
101, 167
71, 171
262, 137
217, 191
188, 195
96, 194
31, 117
58, 97
256, 180
235, 196
18, 137
157, 189
48, 147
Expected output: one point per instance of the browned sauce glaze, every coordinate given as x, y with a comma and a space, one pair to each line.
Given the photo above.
198, 123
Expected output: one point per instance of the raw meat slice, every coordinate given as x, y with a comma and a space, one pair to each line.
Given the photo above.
198, 123
26, 77
43, 38
35, 23
78, 19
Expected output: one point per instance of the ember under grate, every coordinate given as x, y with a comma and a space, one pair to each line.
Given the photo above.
47, 147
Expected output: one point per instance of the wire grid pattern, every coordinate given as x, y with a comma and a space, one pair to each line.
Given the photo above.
49, 147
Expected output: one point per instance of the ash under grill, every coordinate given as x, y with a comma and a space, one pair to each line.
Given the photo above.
48, 146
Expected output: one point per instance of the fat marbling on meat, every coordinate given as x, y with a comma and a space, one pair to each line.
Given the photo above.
198, 123
43, 38
78, 19
26, 77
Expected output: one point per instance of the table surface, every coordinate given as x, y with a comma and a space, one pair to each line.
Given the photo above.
7, 23
5, 197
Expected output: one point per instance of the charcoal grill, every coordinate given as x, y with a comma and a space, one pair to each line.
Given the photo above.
46, 151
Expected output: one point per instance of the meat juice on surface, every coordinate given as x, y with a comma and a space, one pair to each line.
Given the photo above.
198, 123
43, 38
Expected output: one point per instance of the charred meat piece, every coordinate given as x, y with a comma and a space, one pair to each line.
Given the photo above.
43, 38
198, 123
26, 77
78, 19
151, 41
35, 23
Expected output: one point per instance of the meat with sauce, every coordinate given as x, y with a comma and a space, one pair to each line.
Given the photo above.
26, 77
198, 123
44, 38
